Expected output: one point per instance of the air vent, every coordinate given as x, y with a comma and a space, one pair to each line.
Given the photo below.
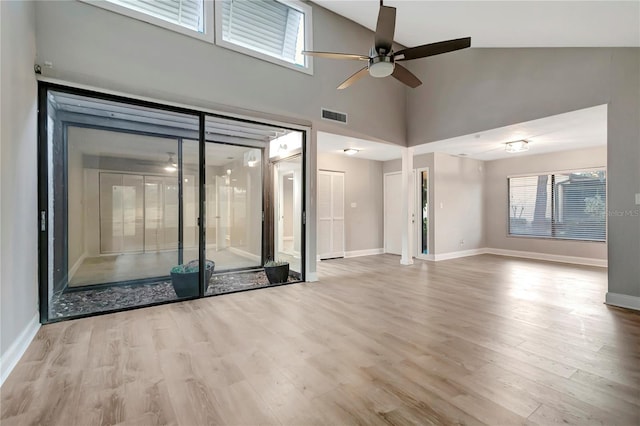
334, 116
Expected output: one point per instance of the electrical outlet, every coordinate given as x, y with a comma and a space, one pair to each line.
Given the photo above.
354, 205
461, 242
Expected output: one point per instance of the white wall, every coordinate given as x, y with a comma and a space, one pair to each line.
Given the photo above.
362, 186
18, 182
497, 215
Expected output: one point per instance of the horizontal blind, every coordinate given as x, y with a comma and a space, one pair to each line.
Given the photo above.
530, 206
186, 13
580, 206
266, 26
565, 206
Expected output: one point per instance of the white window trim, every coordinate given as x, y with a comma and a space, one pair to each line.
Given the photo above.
307, 12
207, 35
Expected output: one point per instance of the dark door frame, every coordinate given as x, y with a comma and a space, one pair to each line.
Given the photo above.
43, 188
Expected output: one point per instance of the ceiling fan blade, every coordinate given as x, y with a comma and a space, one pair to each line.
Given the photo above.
432, 49
355, 77
385, 28
405, 76
331, 55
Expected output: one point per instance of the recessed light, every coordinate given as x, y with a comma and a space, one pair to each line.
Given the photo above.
351, 151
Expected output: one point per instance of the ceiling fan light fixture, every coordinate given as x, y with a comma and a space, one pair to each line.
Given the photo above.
517, 146
351, 151
171, 166
381, 69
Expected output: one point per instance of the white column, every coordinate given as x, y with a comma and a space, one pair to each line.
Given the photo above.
407, 206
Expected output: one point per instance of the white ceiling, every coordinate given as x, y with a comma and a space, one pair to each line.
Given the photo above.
563, 132
514, 23
330, 143
583, 128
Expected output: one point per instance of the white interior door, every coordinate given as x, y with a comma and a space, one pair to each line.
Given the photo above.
393, 220
330, 214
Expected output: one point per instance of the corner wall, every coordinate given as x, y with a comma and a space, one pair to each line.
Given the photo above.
456, 200
19, 318
497, 196
489, 88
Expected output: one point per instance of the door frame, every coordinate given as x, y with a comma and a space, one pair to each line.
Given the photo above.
418, 213
43, 213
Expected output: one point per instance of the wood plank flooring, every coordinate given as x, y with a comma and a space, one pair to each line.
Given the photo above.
480, 340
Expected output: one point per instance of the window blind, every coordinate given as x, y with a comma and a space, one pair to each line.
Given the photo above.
186, 13
266, 26
564, 206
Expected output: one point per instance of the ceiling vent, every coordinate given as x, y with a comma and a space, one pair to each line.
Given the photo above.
340, 117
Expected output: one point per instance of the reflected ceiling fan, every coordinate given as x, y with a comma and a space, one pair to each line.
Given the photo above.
382, 60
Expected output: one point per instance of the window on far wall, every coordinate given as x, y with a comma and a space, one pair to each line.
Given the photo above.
569, 205
274, 30
190, 17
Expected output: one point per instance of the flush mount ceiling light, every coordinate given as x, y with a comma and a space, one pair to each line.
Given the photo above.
517, 146
171, 166
351, 151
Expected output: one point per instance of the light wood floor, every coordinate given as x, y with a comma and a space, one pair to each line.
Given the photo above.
484, 339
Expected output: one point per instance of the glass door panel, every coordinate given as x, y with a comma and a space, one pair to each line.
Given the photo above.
114, 202
234, 206
288, 212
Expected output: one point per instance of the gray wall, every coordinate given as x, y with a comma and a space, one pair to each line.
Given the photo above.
496, 211
139, 58
458, 202
479, 89
363, 186
18, 173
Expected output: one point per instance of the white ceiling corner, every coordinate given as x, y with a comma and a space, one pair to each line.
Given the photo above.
514, 23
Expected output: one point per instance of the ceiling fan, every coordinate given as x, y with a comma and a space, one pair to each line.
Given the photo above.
382, 60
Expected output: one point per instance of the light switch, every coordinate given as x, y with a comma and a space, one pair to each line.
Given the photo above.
638, 199
354, 205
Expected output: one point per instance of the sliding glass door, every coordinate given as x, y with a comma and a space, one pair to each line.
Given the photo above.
142, 204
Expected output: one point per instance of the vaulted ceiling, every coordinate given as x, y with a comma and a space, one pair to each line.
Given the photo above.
513, 23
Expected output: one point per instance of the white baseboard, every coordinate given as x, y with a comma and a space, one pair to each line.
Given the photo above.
457, 254
10, 358
246, 254
358, 253
549, 257
312, 277
76, 266
623, 301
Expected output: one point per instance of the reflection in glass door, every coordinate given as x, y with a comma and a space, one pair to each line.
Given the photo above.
287, 211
